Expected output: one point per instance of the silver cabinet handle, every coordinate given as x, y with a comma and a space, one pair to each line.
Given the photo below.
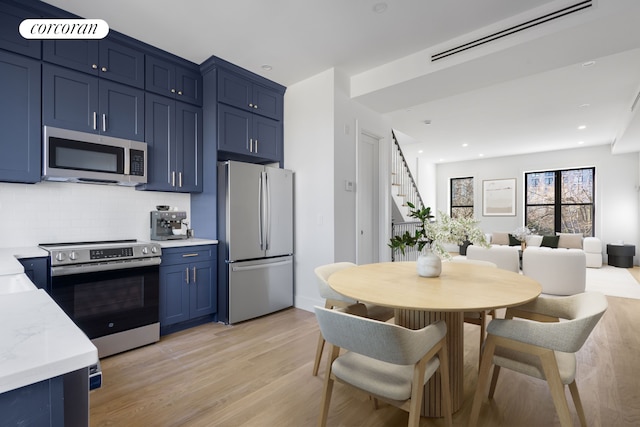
255, 106
94, 66
104, 123
103, 69
194, 273
251, 145
256, 145
95, 120
250, 105
179, 92
173, 90
180, 179
186, 271
173, 178
189, 255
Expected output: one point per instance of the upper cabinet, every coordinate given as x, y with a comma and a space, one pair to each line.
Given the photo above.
78, 101
20, 118
243, 93
10, 39
105, 58
172, 80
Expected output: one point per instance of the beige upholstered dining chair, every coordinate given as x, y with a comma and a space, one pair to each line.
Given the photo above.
335, 300
386, 361
543, 347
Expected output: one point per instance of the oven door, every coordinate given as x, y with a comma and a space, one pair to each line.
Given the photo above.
106, 302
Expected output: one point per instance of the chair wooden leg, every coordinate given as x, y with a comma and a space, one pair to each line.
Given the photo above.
320, 347
483, 326
494, 381
328, 387
573, 387
483, 378
550, 368
417, 389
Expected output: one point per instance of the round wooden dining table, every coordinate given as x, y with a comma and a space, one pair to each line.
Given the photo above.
419, 301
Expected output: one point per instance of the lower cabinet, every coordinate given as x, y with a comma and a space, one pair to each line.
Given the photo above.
188, 287
37, 270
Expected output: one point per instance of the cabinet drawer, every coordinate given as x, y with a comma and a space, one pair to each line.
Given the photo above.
188, 254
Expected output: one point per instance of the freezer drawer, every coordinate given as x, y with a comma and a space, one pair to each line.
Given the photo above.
259, 287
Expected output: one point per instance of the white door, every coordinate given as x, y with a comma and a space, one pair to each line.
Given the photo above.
367, 199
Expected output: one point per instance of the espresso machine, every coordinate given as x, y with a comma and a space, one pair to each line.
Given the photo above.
167, 225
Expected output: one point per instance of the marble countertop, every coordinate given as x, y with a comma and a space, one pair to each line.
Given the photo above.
37, 339
194, 241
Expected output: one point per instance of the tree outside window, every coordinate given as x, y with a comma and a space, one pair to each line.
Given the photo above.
560, 201
461, 197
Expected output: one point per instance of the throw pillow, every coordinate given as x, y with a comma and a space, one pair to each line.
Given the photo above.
513, 241
570, 240
550, 241
500, 238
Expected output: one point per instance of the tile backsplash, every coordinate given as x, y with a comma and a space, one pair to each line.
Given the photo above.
53, 212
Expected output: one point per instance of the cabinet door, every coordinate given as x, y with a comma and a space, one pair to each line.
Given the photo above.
174, 294
121, 111
234, 129
234, 90
160, 131
188, 147
267, 139
160, 76
202, 289
267, 102
121, 63
188, 86
10, 38
69, 99
79, 55
20, 119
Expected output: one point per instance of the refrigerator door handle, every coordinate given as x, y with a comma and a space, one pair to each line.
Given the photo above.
259, 266
260, 214
267, 224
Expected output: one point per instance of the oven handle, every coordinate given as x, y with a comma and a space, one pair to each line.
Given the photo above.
66, 270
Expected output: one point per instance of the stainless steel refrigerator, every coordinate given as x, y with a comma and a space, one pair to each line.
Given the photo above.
255, 233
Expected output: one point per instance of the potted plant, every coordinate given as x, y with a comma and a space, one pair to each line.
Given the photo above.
431, 235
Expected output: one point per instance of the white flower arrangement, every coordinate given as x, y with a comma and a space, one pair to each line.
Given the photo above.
521, 233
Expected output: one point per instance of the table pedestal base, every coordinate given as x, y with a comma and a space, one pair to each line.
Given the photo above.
432, 402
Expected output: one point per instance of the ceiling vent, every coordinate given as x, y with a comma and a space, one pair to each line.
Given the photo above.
513, 30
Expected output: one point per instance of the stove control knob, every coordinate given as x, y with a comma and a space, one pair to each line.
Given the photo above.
145, 250
73, 255
154, 250
60, 256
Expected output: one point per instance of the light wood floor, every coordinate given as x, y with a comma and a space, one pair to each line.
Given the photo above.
258, 373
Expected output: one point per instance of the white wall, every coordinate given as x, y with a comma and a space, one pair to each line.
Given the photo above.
321, 125
617, 207
52, 212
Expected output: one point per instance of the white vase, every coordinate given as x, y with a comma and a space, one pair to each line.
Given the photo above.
429, 264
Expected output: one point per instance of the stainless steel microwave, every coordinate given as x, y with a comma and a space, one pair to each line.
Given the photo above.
85, 157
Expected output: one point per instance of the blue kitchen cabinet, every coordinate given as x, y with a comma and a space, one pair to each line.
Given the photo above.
20, 119
174, 143
37, 270
172, 80
104, 58
249, 134
188, 287
243, 93
11, 15
79, 101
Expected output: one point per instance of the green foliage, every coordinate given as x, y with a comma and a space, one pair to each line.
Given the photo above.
437, 233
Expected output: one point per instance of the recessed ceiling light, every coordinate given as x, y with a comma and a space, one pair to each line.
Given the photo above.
267, 67
588, 64
585, 105
420, 151
480, 155
379, 7
580, 142
441, 160
465, 145
582, 127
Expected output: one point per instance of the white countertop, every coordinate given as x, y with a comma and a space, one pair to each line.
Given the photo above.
194, 241
37, 339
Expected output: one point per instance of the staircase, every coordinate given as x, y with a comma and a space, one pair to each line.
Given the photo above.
403, 190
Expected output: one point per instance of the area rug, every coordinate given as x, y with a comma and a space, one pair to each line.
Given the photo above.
613, 281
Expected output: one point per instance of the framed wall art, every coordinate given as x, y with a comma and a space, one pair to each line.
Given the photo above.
499, 197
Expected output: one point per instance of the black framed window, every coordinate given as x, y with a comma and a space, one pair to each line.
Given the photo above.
560, 201
461, 197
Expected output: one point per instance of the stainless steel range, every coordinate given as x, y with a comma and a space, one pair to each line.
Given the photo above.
110, 289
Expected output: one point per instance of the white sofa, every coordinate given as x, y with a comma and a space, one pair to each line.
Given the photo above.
560, 272
591, 246
505, 257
